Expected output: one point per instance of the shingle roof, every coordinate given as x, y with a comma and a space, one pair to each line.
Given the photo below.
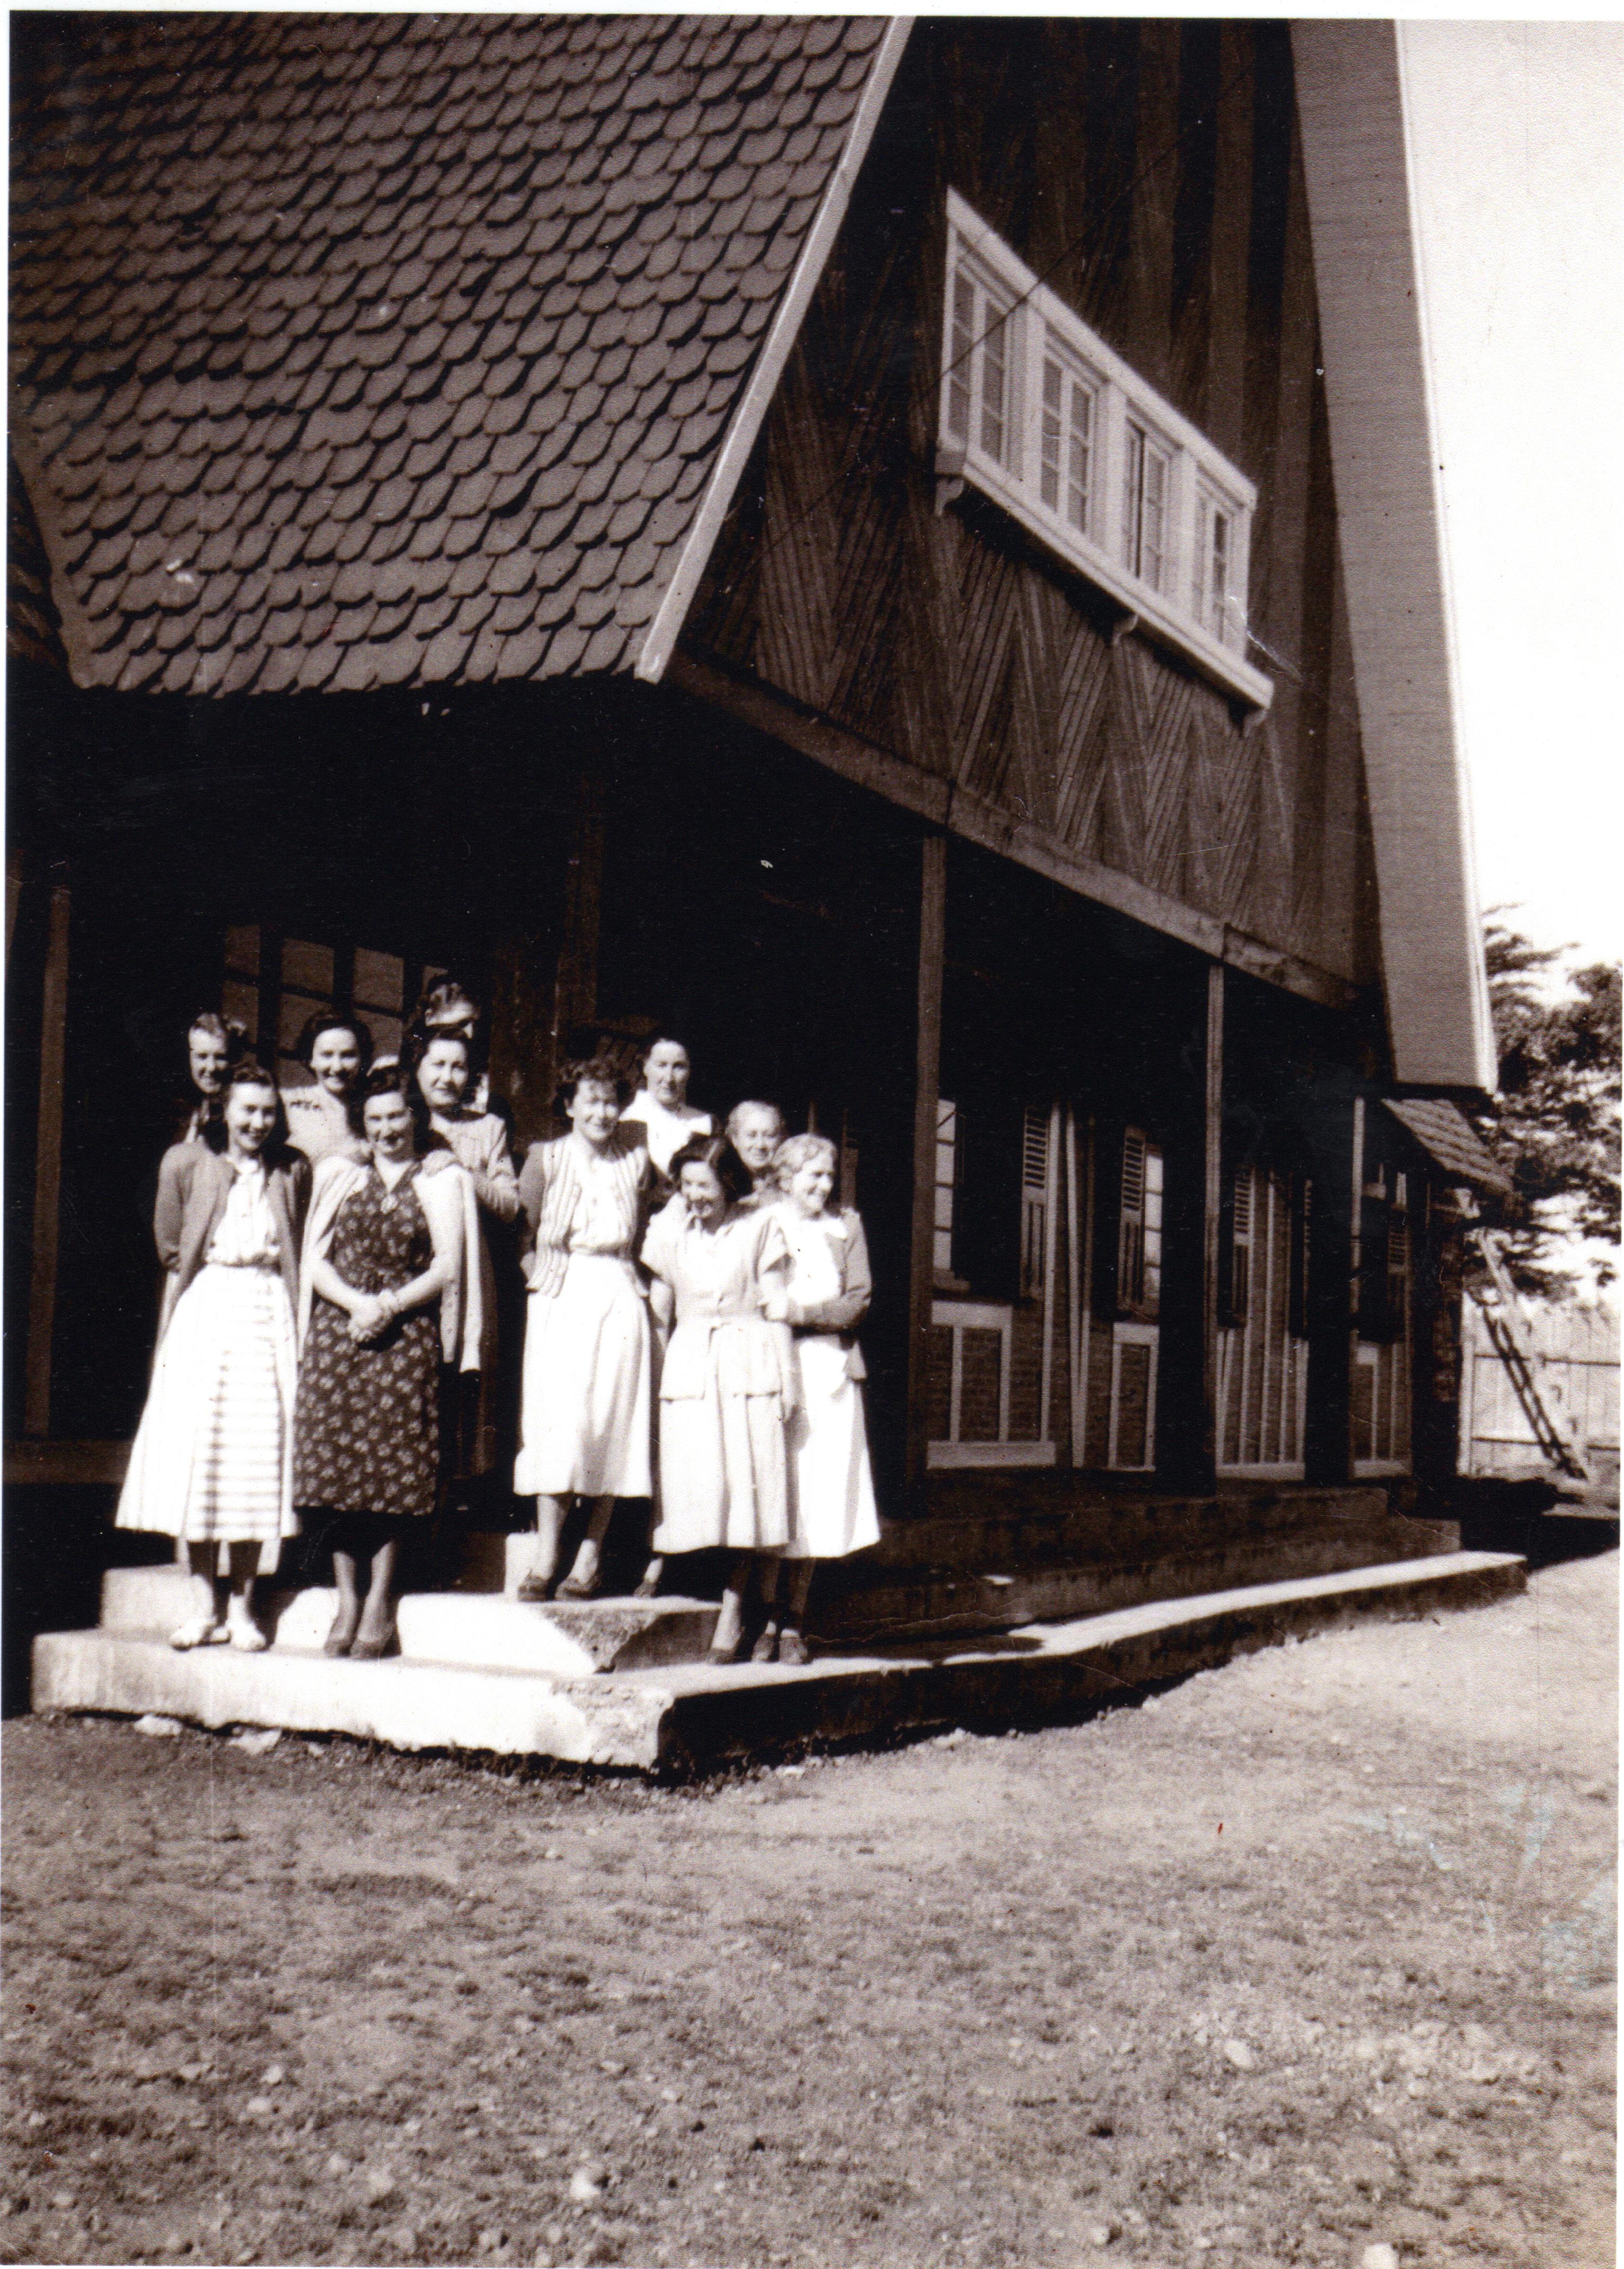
360, 351
1447, 1135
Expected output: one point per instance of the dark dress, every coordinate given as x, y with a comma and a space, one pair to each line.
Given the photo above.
367, 1429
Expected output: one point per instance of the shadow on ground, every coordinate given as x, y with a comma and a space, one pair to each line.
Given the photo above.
1545, 1524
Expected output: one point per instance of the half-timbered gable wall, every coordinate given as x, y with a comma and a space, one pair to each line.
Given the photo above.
1150, 174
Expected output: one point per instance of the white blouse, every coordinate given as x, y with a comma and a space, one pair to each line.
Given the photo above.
245, 1235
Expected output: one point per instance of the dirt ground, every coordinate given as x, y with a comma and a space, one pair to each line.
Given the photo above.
1308, 1956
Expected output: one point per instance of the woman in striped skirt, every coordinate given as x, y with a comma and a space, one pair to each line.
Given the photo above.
587, 1422
212, 1460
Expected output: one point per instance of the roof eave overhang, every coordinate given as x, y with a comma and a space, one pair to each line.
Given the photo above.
661, 636
1351, 111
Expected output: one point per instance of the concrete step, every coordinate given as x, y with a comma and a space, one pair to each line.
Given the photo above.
564, 1638
869, 1598
688, 1716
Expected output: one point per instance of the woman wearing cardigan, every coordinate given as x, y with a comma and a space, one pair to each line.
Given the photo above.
390, 1299
442, 1067
826, 1297
587, 1418
212, 1458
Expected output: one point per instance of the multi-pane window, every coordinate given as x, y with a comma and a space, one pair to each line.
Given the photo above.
1065, 472
978, 373
1139, 1230
1210, 595
946, 1185
1040, 415
1146, 471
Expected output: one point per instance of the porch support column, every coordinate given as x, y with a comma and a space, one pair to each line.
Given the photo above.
48, 1171
928, 1083
1212, 1208
1333, 1288
575, 987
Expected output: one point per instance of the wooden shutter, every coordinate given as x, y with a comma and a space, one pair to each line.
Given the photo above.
1302, 1216
1034, 1200
1235, 1249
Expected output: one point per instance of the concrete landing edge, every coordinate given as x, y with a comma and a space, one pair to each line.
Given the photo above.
683, 1718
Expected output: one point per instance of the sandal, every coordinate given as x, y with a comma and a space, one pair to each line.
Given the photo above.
201, 1631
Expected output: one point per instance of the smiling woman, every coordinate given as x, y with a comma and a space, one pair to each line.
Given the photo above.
386, 1263
212, 1460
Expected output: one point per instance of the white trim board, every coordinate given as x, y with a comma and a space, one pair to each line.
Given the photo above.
1355, 158
747, 421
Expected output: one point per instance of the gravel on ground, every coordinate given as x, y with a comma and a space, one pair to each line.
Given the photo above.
1309, 1960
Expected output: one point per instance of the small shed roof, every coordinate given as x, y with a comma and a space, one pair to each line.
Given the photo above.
355, 350
1446, 1134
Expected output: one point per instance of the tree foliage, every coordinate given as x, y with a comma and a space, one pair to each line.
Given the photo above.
1556, 1125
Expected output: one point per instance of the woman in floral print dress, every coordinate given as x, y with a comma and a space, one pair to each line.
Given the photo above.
388, 1248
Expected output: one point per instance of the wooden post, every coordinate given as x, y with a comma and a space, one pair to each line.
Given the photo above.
575, 988
1334, 1288
1212, 1201
928, 1082
48, 1171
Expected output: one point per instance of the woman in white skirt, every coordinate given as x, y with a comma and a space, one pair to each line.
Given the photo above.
586, 1416
727, 1377
212, 1458
827, 1296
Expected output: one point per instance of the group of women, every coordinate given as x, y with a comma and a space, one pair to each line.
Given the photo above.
328, 1352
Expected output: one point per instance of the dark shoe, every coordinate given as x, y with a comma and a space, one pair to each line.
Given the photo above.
793, 1648
533, 1590
580, 1587
337, 1642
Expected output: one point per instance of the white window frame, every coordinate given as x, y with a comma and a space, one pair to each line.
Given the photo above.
1040, 328
959, 1317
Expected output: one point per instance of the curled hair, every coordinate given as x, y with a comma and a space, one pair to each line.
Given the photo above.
754, 1103
800, 1150
718, 1153
334, 1020
419, 1041
603, 1067
247, 1071
387, 1079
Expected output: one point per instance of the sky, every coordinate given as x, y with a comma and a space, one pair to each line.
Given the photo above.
1518, 171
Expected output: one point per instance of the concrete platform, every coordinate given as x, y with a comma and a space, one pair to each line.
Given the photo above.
685, 1717
477, 1631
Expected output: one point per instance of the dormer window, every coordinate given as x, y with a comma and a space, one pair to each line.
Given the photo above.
1040, 415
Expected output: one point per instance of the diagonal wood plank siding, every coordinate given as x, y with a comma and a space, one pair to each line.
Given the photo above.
1150, 173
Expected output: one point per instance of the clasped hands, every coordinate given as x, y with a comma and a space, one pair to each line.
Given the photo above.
371, 1317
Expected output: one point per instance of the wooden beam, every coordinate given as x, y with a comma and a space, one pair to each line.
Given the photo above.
48, 1173
575, 988
1211, 1210
927, 1084
978, 820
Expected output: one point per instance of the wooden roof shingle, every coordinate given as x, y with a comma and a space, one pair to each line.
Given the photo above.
363, 351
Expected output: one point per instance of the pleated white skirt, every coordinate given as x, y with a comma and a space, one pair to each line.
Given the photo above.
212, 1460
